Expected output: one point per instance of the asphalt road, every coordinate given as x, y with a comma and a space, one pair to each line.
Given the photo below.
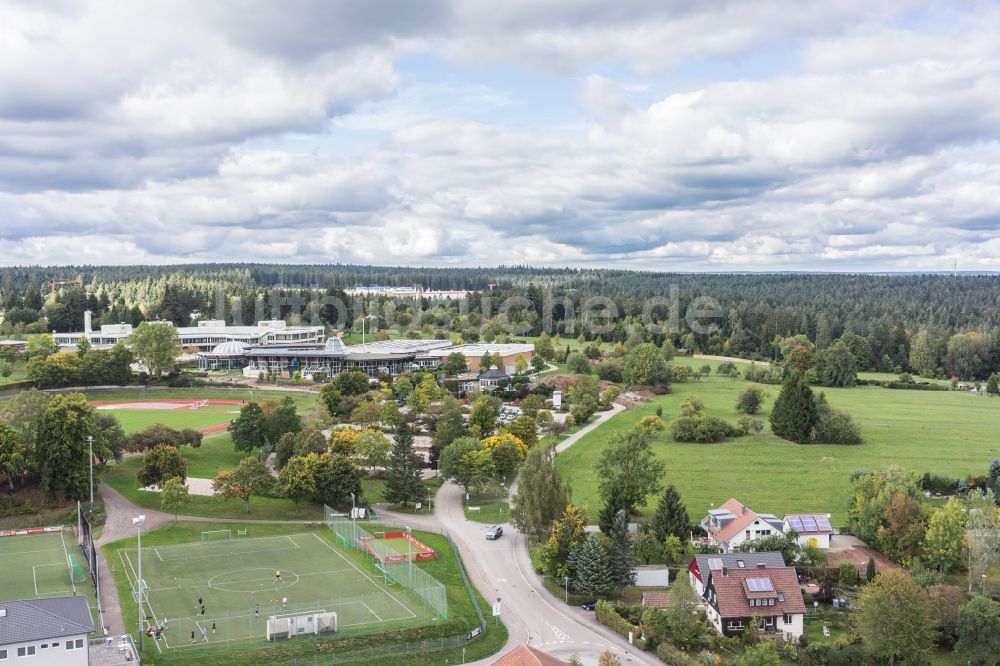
502, 569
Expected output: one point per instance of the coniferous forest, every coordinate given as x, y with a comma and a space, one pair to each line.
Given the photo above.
936, 325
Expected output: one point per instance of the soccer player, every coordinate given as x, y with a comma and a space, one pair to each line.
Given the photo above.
256, 610
192, 635
213, 626
284, 601
277, 575
203, 609
201, 601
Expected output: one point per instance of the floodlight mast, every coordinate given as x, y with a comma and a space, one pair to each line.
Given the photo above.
137, 522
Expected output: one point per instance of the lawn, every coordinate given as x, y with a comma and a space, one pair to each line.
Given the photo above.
134, 420
179, 544
944, 432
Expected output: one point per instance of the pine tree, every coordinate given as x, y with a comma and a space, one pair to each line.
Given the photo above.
621, 555
593, 571
671, 517
614, 502
403, 483
794, 414
870, 570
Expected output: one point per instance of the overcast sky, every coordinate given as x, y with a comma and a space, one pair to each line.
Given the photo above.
675, 135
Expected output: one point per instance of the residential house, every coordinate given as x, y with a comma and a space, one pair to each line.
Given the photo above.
702, 565
733, 524
761, 598
490, 380
813, 528
524, 655
50, 632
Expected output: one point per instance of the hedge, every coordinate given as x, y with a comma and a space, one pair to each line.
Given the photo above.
675, 656
608, 616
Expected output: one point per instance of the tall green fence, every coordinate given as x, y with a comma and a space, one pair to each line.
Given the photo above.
351, 535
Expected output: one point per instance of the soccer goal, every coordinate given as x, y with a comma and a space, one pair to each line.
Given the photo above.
76, 572
145, 591
301, 624
199, 404
214, 536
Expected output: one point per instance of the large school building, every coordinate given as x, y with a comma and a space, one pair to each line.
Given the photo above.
204, 336
385, 357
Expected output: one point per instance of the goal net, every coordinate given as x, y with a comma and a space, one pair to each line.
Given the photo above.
76, 572
301, 624
215, 536
145, 591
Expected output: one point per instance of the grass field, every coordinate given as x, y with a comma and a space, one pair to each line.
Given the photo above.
134, 420
945, 432
316, 549
35, 566
237, 581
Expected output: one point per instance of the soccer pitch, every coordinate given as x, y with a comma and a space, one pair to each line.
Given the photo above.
36, 566
236, 581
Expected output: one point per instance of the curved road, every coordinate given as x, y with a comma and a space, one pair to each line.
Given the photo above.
503, 569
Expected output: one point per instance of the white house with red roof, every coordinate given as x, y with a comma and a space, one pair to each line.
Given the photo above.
733, 524
761, 598
813, 528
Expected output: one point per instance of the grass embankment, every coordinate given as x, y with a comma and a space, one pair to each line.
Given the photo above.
215, 454
943, 432
462, 616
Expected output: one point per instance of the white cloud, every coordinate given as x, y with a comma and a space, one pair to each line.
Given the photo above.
174, 132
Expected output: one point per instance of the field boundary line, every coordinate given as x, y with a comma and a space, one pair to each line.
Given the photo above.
152, 612
227, 554
372, 612
28, 552
68, 570
370, 579
35, 578
289, 537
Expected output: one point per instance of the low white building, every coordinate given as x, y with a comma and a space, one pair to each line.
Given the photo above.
813, 528
733, 524
45, 632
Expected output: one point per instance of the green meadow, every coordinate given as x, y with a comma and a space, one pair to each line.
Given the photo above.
924, 431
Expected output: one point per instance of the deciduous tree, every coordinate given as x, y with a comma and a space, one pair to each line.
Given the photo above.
337, 477
627, 462
297, 480
156, 346
979, 632
895, 620
62, 454
944, 542
568, 533
160, 463
250, 477
175, 496
541, 495
247, 429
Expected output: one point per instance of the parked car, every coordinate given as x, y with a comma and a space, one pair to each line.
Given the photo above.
588, 606
494, 533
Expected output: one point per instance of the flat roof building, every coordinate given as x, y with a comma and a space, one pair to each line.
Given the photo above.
473, 352
204, 336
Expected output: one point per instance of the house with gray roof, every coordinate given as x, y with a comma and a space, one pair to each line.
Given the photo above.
702, 565
51, 631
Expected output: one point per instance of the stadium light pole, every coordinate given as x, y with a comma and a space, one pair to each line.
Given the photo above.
354, 526
90, 449
365, 318
138, 521
409, 552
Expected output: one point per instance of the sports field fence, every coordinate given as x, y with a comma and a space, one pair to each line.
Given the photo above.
351, 535
85, 538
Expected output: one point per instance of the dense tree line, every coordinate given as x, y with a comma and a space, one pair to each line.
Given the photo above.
931, 324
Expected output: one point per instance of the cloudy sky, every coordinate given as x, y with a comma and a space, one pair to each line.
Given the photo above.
714, 135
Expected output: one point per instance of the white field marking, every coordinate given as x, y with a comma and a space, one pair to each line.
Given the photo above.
224, 553
35, 578
28, 552
289, 537
152, 612
372, 612
369, 578
69, 569
266, 579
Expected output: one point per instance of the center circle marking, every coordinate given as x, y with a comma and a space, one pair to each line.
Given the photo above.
252, 580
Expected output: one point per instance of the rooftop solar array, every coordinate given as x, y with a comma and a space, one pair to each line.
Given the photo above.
809, 523
715, 563
759, 585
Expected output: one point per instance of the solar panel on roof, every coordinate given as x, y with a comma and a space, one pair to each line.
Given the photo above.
759, 585
824, 523
715, 563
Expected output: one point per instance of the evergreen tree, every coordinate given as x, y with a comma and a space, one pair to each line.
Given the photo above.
403, 469
593, 571
671, 517
621, 552
870, 570
615, 500
794, 414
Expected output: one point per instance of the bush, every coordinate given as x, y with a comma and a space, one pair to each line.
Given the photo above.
701, 428
611, 370
848, 574
835, 427
750, 400
923, 386
763, 374
938, 483
725, 368
13, 506
748, 424
610, 616
675, 656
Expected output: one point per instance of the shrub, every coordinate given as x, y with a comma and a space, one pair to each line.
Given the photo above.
750, 400
702, 428
848, 574
763, 374
748, 424
725, 368
835, 427
938, 483
611, 370
672, 655
610, 615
